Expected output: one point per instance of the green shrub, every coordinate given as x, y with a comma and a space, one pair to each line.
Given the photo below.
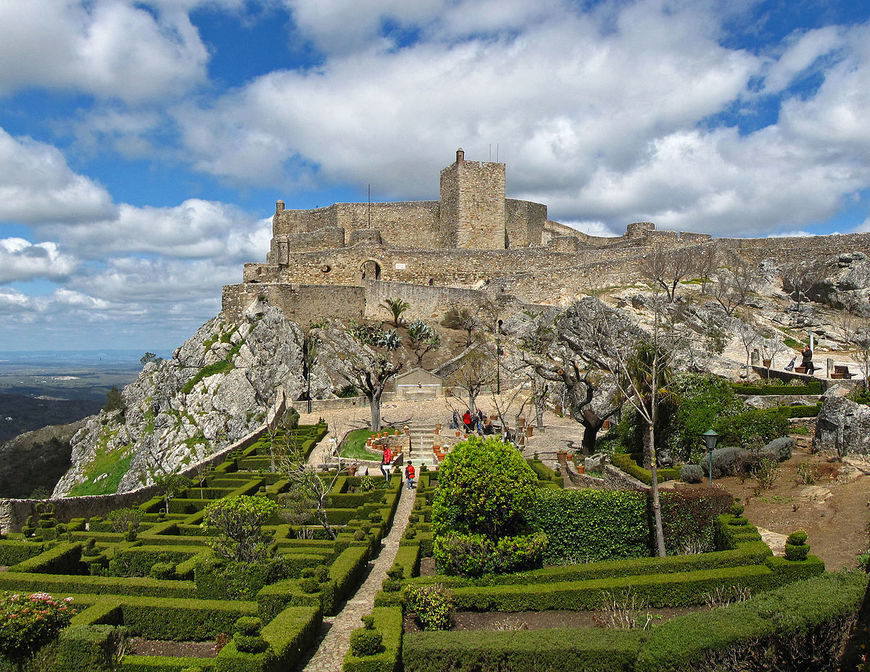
364, 642
182, 620
91, 648
794, 552
388, 622
476, 554
28, 622
801, 626
797, 538
220, 579
752, 429
62, 559
433, 605
485, 487
162, 570
587, 649
629, 466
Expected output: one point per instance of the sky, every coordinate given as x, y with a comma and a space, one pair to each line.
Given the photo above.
143, 144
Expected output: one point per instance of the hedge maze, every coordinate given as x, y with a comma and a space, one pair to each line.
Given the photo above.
163, 582
796, 617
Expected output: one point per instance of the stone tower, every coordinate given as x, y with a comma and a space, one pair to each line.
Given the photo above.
473, 203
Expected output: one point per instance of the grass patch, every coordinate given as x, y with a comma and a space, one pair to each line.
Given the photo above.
114, 464
354, 446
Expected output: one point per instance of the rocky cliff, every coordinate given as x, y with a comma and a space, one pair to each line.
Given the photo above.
215, 389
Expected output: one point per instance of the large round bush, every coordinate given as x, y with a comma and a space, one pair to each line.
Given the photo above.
484, 487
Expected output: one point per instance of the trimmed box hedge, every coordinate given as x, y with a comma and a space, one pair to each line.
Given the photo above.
14, 551
133, 663
182, 620
587, 649
388, 622
62, 559
629, 466
97, 585
87, 648
802, 623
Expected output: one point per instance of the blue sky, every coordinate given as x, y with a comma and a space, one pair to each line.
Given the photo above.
143, 144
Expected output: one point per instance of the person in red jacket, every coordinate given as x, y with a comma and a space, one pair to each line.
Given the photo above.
466, 420
410, 472
386, 458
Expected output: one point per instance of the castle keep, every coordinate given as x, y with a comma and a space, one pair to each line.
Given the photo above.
471, 247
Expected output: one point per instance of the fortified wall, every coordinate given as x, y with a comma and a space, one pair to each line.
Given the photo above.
472, 247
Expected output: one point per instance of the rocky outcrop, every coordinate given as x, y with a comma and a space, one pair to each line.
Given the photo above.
35, 460
847, 283
216, 388
843, 427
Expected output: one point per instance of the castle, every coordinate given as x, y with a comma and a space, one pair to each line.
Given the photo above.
471, 247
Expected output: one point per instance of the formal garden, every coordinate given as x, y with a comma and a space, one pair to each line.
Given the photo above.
237, 571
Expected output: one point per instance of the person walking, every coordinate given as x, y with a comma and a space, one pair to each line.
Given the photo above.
386, 459
410, 473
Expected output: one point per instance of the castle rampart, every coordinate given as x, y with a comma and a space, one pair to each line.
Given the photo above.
472, 246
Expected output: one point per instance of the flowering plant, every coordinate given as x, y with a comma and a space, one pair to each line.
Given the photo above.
29, 621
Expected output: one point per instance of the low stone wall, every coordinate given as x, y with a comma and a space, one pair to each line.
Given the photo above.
14, 512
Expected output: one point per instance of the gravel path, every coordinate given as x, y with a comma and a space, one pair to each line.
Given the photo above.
332, 648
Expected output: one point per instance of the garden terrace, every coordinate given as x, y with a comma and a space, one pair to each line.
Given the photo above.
163, 581
795, 609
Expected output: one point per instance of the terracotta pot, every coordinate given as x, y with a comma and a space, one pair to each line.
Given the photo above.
581, 468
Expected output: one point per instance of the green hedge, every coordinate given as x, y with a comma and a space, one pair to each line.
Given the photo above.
274, 598
182, 620
408, 557
289, 635
13, 551
97, 585
629, 466
751, 553
812, 388
87, 648
591, 524
588, 649
138, 560
752, 429
388, 621
678, 589
346, 572
797, 627
62, 559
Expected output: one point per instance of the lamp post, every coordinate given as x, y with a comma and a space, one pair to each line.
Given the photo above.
710, 438
498, 358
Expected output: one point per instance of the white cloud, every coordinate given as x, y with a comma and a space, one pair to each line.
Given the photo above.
193, 229
802, 52
109, 48
561, 97
21, 260
37, 185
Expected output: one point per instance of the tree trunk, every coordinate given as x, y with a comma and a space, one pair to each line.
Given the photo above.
657, 508
591, 424
375, 404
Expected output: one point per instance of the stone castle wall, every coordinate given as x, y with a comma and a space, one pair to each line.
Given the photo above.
473, 203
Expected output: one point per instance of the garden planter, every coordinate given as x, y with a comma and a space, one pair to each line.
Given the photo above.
581, 468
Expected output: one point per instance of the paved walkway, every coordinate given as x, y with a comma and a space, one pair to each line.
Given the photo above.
332, 648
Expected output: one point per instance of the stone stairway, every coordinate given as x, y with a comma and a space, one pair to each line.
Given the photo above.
422, 439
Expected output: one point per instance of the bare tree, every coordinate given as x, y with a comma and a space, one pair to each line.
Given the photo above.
367, 357
735, 283
749, 338
476, 372
666, 268
564, 351
856, 331
772, 343
705, 265
640, 363
464, 319
798, 277
308, 493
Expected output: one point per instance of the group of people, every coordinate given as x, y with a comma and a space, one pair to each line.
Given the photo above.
473, 422
386, 465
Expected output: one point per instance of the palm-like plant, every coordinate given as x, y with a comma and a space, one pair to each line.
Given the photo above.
396, 307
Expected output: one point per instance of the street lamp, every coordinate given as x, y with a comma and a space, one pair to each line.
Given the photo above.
498, 359
710, 438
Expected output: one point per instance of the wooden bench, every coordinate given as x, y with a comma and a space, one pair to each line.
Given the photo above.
841, 371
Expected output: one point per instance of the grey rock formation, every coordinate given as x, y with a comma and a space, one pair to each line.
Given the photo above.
215, 389
843, 427
847, 284
780, 448
35, 459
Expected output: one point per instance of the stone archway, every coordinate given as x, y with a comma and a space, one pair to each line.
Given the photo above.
371, 270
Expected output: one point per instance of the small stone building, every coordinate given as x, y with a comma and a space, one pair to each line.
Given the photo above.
418, 384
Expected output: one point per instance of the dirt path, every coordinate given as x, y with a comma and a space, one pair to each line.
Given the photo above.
332, 648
